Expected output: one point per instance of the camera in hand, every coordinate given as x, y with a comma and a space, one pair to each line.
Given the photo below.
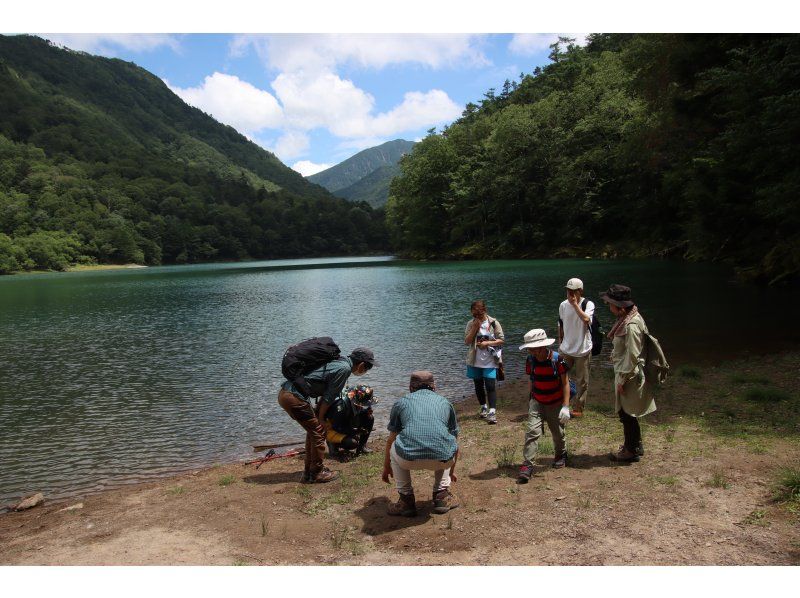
487, 337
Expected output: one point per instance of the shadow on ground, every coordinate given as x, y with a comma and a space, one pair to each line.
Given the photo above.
377, 521
497, 472
589, 461
268, 479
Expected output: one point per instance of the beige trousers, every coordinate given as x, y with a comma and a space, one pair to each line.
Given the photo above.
579, 372
401, 470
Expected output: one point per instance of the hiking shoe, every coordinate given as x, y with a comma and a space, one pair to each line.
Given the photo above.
525, 473
491, 418
484, 412
624, 456
639, 450
443, 501
575, 413
323, 476
560, 462
405, 506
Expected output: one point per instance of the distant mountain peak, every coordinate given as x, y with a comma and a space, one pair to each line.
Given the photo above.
366, 175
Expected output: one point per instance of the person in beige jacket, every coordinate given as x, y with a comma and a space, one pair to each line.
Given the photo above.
633, 395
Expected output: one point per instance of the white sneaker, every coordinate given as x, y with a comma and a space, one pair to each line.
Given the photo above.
484, 412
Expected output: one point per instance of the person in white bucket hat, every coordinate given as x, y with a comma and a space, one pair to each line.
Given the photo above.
549, 400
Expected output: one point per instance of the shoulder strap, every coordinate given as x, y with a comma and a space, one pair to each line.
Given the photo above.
584, 303
553, 362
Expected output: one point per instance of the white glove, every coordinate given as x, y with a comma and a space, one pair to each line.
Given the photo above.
563, 415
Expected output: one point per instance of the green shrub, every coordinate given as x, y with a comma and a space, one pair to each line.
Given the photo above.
227, 480
787, 487
689, 372
506, 456
766, 395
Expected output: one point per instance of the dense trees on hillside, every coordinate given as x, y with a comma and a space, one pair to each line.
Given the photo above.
634, 145
101, 162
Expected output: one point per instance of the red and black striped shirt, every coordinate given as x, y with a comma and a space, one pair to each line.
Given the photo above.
546, 379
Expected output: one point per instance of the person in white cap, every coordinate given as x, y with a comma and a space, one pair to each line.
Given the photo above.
549, 400
575, 340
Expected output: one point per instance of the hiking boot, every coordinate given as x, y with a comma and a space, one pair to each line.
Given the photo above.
624, 456
576, 413
484, 411
323, 476
525, 473
639, 450
491, 418
560, 462
405, 506
443, 501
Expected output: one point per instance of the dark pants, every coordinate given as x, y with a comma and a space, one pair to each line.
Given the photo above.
486, 387
302, 412
632, 431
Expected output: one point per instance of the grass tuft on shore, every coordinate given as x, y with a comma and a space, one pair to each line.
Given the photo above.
226, 480
766, 395
686, 371
787, 486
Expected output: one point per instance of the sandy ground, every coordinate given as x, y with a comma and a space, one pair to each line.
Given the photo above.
703, 494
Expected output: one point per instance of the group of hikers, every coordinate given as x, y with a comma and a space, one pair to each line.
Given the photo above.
423, 428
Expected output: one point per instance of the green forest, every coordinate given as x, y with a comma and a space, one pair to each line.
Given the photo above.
681, 146
101, 163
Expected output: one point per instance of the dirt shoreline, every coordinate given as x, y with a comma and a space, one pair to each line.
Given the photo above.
703, 494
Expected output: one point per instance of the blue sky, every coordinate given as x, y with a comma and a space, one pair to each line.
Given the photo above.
316, 99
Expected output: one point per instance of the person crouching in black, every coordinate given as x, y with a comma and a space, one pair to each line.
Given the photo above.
349, 422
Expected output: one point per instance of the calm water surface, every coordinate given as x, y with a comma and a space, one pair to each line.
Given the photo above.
119, 376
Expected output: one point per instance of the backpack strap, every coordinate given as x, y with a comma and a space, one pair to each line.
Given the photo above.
553, 361
584, 303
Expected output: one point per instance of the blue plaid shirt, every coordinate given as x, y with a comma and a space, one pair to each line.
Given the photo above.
426, 426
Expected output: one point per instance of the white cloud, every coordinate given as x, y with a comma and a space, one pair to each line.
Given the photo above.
323, 100
326, 100
234, 102
308, 93
109, 44
307, 168
526, 44
313, 52
417, 110
290, 145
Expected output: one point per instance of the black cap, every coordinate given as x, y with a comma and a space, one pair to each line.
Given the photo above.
364, 355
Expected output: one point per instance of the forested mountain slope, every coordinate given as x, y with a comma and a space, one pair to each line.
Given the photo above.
100, 161
373, 188
366, 175
635, 145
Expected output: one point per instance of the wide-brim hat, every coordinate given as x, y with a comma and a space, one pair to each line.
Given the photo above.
618, 295
536, 338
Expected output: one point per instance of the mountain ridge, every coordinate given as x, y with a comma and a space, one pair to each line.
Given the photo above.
100, 162
366, 175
